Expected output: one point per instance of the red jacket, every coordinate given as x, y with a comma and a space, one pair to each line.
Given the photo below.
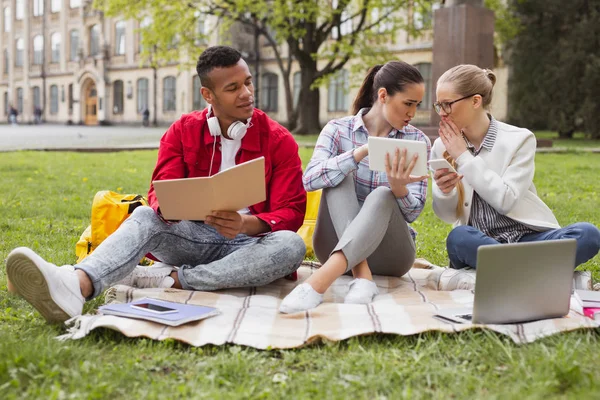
185, 151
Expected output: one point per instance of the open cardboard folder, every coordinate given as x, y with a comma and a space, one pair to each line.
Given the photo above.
230, 190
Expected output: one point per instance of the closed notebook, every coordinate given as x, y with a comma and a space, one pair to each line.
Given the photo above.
589, 298
178, 313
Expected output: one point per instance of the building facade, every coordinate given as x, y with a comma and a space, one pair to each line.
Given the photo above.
72, 64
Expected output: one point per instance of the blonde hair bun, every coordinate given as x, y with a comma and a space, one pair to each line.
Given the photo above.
490, 75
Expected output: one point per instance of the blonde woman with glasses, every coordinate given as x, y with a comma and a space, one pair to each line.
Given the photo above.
491, 198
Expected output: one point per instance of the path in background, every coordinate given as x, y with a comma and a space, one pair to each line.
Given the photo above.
40, 137
109, 138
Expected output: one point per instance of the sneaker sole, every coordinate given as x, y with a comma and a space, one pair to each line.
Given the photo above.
31, 284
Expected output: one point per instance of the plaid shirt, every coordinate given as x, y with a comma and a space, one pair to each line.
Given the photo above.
333, 160
483, 216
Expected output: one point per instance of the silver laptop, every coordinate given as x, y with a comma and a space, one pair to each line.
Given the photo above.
520, 282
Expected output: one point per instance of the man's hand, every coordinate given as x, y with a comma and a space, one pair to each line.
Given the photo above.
227, 223
398, 176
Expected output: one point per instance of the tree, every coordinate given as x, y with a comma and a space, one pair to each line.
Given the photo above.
321, 35
556, 66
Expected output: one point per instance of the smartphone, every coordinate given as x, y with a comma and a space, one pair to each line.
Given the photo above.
440, 163
155, 308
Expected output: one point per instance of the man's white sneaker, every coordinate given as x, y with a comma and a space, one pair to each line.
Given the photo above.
53, 291
149, 277
362, 291
302, 298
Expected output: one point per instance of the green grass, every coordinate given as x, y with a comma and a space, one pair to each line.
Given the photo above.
45, 201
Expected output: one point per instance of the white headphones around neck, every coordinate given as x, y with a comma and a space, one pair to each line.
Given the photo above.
236, 131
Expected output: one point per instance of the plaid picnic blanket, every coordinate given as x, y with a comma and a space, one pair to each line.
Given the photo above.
250, 317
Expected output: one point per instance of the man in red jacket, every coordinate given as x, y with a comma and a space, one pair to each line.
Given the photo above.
251, 247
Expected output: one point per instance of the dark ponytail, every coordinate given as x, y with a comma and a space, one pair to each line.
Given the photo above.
364, 98
394, 76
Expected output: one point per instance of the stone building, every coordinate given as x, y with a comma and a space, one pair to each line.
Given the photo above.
78, 66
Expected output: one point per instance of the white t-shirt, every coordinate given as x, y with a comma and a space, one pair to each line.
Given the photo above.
229, 149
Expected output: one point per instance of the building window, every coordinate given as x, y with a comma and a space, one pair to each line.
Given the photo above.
169, 93
7, 19
118, 97
70, 98
55, 5
142, 95
269, 92
384, 24
55, 46
94, 40
297, 83
38, 8
20, 100
345, 26
6, 61
146, 22
120, 38
38, 50
338, 92
19, 56
422, 16
425, 70
5, 103
74, 39
200, 29
199, 103
53, 99
37, 100
19, 9
74, 3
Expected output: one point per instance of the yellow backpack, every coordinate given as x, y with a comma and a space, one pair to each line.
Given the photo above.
307, 229
109, 210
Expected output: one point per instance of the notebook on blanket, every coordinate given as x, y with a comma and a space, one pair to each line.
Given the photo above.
161, 311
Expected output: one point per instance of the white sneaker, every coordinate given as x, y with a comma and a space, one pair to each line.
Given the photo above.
362, 291
53, 291
149, 277
457, 279
302, 298
582, 280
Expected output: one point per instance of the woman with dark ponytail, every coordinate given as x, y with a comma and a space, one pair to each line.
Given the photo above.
492, 198
363, 218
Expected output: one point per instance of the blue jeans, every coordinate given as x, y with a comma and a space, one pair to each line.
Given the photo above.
208, 260
463, 241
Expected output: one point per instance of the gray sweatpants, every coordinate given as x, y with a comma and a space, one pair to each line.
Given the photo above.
208, 260
376, 231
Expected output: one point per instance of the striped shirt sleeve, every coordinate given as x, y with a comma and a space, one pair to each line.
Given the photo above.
327, 168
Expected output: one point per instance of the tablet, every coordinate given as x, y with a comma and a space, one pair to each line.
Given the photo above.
380, 146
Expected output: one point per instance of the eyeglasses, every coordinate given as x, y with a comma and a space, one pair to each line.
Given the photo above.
447, 105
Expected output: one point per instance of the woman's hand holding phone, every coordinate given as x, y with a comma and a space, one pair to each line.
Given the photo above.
446, 180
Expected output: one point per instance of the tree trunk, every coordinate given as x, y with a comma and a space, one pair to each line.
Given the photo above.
308, 107
292, 117
308, 103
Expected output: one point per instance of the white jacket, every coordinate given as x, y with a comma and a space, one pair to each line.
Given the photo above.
502, 177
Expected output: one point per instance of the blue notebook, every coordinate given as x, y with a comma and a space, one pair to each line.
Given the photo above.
161, 311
